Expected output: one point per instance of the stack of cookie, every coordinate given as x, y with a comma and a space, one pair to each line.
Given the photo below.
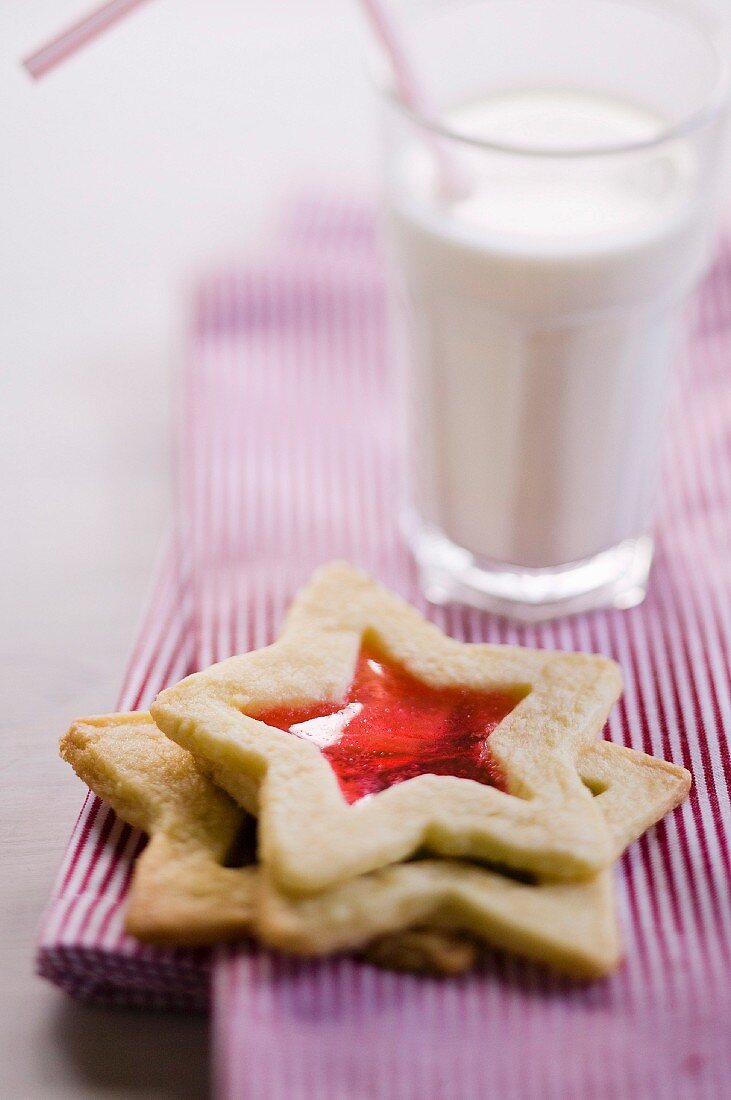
368, 785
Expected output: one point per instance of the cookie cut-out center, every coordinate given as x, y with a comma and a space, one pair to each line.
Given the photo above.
393, 727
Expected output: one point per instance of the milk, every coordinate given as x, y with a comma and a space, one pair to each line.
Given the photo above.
545, 309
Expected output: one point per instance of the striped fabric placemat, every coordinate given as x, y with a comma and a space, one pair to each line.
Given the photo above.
289, 455
295, 459
82, 946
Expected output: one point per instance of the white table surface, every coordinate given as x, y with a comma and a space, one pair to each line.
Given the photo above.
159, 151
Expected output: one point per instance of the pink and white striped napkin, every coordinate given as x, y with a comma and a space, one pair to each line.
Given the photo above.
82, 946
289, 456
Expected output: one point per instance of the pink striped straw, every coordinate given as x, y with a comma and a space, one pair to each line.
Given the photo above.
410, 90
404, 79
75, 37
89, 27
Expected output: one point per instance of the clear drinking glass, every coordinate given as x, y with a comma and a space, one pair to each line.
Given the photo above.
547, 216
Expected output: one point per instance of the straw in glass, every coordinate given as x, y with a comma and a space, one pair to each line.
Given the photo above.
411, 93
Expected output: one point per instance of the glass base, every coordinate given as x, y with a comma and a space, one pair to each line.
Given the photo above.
450, 574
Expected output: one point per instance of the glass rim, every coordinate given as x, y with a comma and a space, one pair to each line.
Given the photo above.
717, 103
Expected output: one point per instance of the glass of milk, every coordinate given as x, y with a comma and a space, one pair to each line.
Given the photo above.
548, 214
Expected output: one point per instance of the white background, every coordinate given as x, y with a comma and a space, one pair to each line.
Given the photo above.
163, 148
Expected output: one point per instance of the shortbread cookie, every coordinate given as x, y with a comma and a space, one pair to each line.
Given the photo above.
325, 737
181, 893
569, 926
185, 895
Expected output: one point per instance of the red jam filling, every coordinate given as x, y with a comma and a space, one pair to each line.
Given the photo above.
393, 727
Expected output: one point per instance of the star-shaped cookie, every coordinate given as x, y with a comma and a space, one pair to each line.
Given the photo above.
408, 916
530, 811
182, 892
